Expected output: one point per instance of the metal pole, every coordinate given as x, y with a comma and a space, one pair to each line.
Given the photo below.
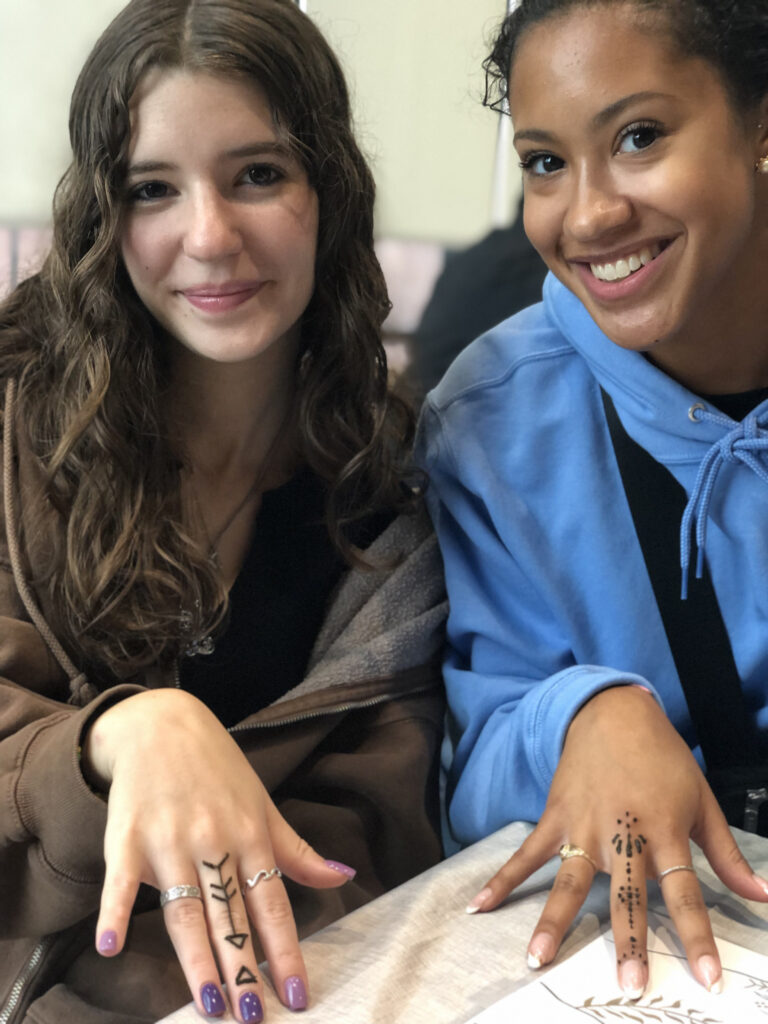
501, 195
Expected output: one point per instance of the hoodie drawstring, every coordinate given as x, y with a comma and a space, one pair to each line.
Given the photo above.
742, 444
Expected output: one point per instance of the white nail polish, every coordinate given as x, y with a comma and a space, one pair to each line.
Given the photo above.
534, 962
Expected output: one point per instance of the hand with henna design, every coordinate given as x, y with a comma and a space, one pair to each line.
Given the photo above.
186, 808
628, 791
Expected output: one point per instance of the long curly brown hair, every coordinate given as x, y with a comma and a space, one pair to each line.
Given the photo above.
90, 360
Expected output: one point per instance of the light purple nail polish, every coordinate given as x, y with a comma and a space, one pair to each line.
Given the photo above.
251, 1009
295, 993
212, 1000
343, 869
107, 942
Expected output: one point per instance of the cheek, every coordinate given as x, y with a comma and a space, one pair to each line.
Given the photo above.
542, 222
142, 250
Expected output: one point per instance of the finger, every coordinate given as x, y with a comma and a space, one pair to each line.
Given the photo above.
118, 894
270, 910
186, 924
570, 888
721, 850
629, 915
539, 847
230, 934
298, 860
685, 903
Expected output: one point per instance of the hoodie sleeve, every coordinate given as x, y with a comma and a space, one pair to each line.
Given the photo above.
51, 824
512, 683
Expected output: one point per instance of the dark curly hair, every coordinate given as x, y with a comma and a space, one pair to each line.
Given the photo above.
90, 360
732, 35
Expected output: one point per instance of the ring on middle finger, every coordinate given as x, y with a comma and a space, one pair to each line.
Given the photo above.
568, 850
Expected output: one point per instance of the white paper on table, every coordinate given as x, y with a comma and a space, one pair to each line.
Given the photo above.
583, 988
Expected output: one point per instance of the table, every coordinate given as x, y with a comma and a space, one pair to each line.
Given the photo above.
415, 956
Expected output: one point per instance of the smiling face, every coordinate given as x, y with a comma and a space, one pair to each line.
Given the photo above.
639, 179
220, 226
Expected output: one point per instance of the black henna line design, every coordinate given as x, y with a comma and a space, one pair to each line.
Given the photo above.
629, 895
237, 939
245, 976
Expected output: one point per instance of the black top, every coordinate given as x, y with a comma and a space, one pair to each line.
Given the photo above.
277, 603
738, 405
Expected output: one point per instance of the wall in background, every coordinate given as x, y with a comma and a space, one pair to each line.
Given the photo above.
413, 68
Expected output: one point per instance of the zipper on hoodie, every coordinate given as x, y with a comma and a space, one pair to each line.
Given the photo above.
25, 976
304, 716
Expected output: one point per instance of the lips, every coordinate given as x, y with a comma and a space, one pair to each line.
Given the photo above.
620, 275
619, 269
212, 298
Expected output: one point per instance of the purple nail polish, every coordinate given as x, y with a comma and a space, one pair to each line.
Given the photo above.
295, 993
107, 942
343, 869
250, 1008
212, 1000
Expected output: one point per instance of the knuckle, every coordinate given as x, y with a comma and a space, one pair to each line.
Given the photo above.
184, 914
277, 911
690, 901
569, 884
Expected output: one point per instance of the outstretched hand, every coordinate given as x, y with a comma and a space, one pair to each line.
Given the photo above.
187, 812
629, 795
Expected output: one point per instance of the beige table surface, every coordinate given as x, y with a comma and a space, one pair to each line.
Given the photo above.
414, 955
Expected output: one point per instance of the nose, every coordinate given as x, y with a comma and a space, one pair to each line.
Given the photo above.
596, 207
211, 230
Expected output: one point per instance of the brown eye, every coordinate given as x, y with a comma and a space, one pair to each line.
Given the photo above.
638, 136
148, 191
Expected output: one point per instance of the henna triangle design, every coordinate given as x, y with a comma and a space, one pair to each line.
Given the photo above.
237, 939
245, 977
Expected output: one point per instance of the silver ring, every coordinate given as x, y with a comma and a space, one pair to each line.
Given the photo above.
676, 867
180, 892
567, 850
262, 875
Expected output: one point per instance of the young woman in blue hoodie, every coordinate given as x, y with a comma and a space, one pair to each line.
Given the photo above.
642, 132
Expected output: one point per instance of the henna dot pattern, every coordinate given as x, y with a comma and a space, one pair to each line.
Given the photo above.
629, 843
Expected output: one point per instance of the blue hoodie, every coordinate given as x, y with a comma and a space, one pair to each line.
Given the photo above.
550, 598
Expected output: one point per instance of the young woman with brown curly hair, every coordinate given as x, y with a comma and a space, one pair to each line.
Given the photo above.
219, 600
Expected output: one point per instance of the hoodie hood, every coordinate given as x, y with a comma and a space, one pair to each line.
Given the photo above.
687, 435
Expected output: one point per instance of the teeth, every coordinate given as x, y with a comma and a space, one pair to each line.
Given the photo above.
623, 268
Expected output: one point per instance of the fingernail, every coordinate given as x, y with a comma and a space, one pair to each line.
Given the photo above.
251, 1009
212, 1000
541, 951
343, 869
479, 901
762, 883
295, 993
107, 942
632, 979
711, 974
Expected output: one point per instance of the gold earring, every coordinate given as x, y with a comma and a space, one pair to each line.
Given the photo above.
762, 165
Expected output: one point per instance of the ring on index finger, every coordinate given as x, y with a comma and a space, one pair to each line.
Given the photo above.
568, 850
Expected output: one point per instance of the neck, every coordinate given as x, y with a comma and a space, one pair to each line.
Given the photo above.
225, 416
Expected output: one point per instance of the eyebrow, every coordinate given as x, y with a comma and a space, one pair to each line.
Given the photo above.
600, 119
279, 149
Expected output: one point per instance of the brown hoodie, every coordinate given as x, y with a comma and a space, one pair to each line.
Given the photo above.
349, 756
